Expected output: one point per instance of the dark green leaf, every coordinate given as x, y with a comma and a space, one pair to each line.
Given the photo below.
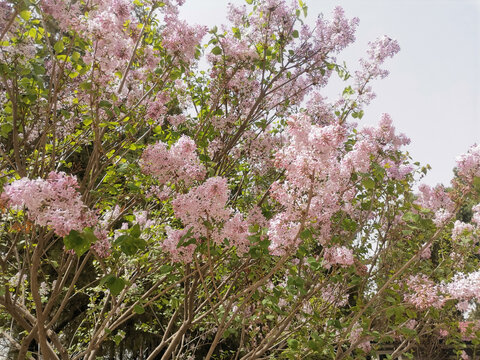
476, 183
138, 309
216, 50
135, 230
76, 242
164, 269
114, 284
129, 244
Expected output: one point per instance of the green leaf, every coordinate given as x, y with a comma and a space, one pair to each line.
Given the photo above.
75, 56
135, 230
476, 183
411, 217
77, 242
5, 129
114, 284
118, 339
130, 245
249, 2
38, 70
407, 331
411, 314
25, 15
59, 46
164, 269
138, 309
391, 299
89, 235
306, 234
86, 85
314, 264
295, 34
105, 104
216, 50
368, 183
32, 33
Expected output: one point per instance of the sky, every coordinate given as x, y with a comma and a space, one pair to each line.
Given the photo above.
433, 90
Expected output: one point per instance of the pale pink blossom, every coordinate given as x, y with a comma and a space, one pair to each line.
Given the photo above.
468, 165
179, 163
177, 251
443, 333
461, 230
438, 201
204, 203
157, 108
464, 286
476, 215
338, 256
180, 39
423, 293
53, 202
235, 231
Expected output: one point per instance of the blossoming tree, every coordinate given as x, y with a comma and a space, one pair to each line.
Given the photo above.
150, 209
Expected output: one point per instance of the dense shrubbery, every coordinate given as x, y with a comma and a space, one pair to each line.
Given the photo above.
153, 210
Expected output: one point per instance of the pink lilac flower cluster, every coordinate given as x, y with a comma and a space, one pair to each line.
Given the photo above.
318, 167
204, 203
397, 171
476, 215
180, 163
423, 293
157, 108
464, 287
356, 338
236, 232
310, 161
180, 39
53, 202
66, 13
462, 230
318, 108
468, 165
384, 135
438, 201
371, 142
103, 246
378, 52
338, 255
426, 253
335, 294
172, 242
335, 34
204, 214
257, 150
468, 329
6, 12
113, 27
310, 46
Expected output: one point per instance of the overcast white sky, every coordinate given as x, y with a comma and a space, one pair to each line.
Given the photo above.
433, 90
